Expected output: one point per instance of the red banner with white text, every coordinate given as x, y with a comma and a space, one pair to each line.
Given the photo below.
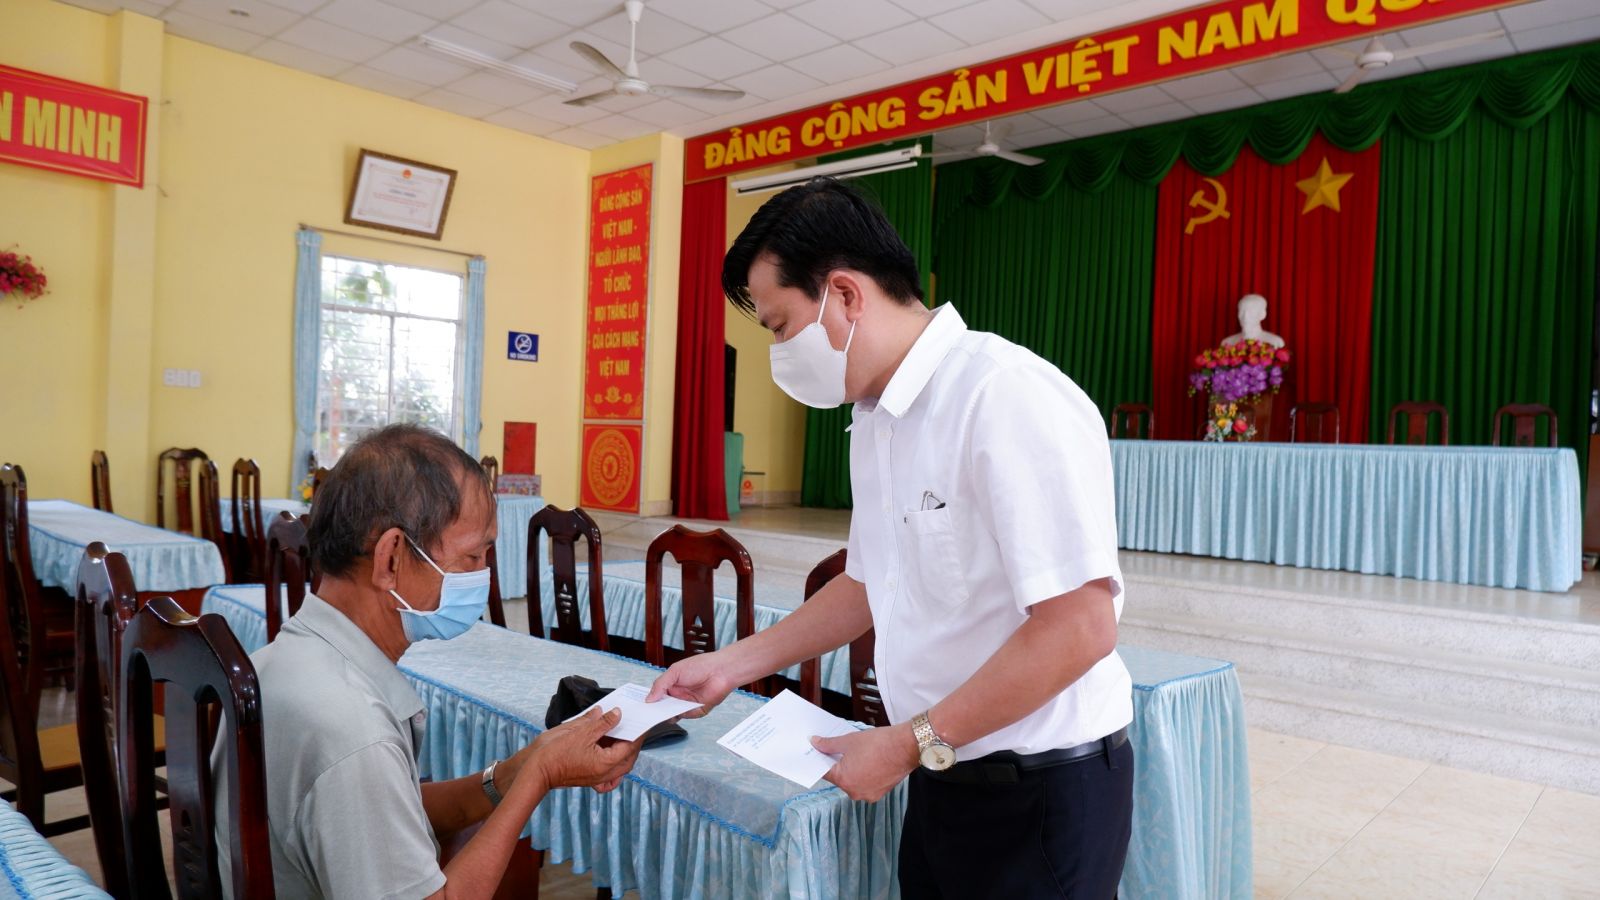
64, 126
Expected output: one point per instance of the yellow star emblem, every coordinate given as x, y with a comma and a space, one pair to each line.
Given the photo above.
1322, 189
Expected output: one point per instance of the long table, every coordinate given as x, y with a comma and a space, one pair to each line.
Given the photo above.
31, 868
161, 560
270, 507
487, 692
511, 545
1493, 516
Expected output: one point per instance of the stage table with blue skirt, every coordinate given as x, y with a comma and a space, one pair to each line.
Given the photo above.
1503, 517
697, 821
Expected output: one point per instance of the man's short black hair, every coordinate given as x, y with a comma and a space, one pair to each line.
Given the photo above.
399, 476
814, 228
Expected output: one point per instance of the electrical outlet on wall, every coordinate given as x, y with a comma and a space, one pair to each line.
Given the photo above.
193, 379
174, 377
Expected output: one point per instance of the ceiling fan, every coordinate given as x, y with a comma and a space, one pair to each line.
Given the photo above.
1376, 55
990, 147
625, 80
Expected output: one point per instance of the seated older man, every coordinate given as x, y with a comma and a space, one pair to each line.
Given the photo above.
399, 532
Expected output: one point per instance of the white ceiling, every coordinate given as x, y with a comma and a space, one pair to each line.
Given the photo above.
785, 54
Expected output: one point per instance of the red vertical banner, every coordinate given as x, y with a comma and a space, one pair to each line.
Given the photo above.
1303, 235
616, 328
612, 458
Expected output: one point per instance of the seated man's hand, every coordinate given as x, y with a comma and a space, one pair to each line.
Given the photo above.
701, 678
578, 754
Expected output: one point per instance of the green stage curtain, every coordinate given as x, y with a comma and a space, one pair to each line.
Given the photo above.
1485, 290
1518, 92
906, 197
1067, 276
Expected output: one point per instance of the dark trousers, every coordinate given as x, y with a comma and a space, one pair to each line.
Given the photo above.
1057, 832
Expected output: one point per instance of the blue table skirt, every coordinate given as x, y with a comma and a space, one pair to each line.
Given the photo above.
1491, 516
691, 820
1192, 828
30, 867
512, 512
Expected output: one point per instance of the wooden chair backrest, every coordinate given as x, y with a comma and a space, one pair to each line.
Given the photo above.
106, 601
22, 641
1308, 423
491, 467
288, 568
565, 528
202, 666
249, 531
1418, 413
866, 705
1132, 420
1524, 424
210, 491
497, 605
182, 462
698, 554
100, 480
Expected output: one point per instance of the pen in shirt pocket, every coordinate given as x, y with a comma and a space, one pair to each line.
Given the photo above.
931, 501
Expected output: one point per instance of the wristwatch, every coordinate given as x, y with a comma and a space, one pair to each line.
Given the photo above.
489, 789
935, 753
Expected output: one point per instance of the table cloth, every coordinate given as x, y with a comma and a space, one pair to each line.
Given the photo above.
511, 546
1494, 516
30, 867
487, 692
59, 531
270, 507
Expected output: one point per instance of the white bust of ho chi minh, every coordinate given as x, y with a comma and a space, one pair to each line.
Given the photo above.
1252, 312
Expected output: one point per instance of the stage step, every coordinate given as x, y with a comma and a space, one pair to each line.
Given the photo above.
1509, 746
1429, 674
1486, 685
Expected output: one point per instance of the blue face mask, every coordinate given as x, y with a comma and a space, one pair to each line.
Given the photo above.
462, 598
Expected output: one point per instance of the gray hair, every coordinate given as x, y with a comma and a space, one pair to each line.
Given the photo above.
399, 476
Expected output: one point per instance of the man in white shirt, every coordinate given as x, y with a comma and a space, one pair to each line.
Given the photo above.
983, 549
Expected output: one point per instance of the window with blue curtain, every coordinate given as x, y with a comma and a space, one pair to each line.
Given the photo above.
378, 343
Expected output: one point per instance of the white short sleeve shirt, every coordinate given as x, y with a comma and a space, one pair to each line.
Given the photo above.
983, 485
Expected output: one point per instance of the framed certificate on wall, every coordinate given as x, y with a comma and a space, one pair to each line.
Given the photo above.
401, 195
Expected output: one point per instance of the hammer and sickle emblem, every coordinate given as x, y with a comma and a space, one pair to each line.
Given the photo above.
1216, 210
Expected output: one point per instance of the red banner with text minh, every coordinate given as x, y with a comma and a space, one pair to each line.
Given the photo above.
64, 126
612, 459
1208, 37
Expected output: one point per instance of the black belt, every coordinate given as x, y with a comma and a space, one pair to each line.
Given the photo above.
1008, 766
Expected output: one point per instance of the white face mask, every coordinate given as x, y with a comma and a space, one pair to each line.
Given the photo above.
807, 367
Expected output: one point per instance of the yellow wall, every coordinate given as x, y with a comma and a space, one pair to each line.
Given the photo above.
247, 151
665, 152
773, 425
52, 351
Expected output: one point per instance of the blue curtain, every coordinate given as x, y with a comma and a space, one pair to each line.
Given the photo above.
472, 359
307, 350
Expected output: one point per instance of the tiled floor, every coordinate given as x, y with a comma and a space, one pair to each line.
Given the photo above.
1336, 822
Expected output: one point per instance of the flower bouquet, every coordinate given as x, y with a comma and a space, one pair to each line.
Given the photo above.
18, 275
1235, 375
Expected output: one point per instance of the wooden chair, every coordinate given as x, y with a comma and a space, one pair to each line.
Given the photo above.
865, 703
106, 602
202, 665
1132, 421
1314, 427
210, 492
37, 762
491, 467
1418, 414
182, 465
1524, 423
249, 532
497, 605
100, 480
698, 554
33, 604
565, 527
288, 569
